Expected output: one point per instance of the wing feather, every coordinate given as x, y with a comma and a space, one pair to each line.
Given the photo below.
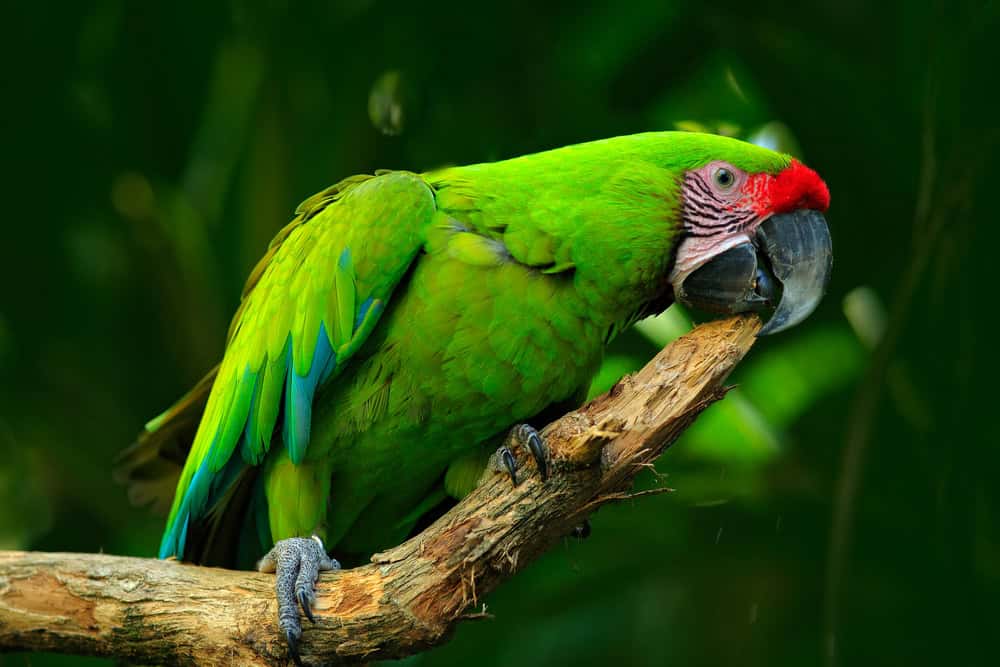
307, 307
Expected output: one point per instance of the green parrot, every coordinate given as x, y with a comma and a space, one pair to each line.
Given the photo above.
403, 323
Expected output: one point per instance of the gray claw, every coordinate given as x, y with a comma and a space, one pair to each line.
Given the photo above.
525, 436
293, 645
581, 531
296, 563
306, 603
537, 447
507, 458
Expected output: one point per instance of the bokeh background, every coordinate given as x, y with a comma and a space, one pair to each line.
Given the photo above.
839, 508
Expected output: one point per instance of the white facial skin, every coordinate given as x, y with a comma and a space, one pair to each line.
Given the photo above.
718, 214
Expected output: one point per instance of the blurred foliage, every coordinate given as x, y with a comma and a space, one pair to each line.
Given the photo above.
838, 507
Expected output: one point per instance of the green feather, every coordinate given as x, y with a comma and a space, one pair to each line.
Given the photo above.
273, 336
343, 316
453, 304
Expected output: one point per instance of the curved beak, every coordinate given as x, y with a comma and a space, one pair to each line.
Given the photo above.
785, 269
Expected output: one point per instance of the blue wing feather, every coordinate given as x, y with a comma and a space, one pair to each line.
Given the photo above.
386, 215
299, 393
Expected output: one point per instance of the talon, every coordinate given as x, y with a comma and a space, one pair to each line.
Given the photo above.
296, 563
508, 462
293, 647
521, 435
306, 605
581, 531
527, 436
537, 448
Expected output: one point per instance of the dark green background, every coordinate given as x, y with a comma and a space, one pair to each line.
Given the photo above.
840, 508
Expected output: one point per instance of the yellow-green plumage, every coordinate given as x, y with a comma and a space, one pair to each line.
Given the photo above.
402, 322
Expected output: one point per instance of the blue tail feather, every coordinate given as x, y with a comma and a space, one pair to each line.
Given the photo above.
205, 489
296, 426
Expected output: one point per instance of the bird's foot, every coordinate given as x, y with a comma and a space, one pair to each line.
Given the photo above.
581, 531
296, 563
526, 437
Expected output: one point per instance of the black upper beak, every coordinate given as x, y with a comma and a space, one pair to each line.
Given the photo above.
785, 269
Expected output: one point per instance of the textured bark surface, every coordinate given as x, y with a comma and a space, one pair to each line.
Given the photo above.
411, 596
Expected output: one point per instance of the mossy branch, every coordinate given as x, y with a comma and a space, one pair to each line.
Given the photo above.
410, 597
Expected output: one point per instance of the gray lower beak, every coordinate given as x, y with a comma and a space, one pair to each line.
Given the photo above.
729, 283
785, 270
798, 247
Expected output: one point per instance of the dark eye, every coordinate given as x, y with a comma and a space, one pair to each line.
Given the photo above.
723, 178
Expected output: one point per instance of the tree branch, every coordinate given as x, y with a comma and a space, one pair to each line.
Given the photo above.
411, 596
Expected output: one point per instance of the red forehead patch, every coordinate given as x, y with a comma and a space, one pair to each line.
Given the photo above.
797, 187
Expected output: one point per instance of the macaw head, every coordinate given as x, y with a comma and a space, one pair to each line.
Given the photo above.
753, 236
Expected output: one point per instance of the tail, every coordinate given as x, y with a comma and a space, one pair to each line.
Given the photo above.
151, 467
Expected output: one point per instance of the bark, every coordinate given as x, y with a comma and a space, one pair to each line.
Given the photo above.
410, 597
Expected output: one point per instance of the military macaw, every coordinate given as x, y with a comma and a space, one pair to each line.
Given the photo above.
403, 323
